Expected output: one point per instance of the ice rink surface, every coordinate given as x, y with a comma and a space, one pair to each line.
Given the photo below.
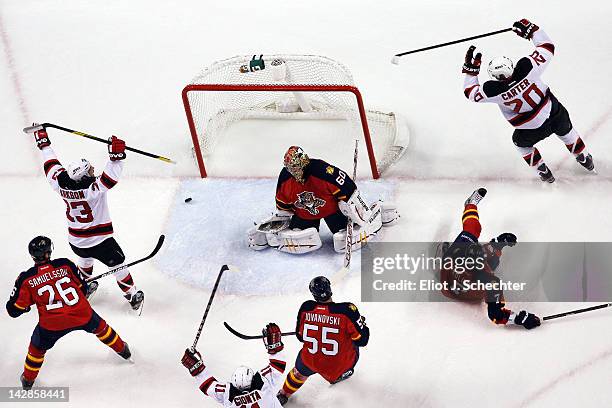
119, 67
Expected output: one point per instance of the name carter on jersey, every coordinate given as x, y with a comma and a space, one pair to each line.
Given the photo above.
514, 92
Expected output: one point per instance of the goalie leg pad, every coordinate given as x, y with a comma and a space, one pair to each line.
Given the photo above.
361, 234
295, 241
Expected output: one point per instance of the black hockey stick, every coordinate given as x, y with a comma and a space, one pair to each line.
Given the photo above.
32, 129
212, 296
395, 59
247, 337
160, 241
573, 312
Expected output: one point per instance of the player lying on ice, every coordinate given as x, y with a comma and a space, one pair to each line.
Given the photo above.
466, 245
247, 388
525, 100
90, 229
58, 291
308, 191
332, 334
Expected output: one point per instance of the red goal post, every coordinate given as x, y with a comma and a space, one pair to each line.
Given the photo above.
274, 88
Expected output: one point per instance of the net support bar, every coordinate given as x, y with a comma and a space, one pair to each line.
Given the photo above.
275, 88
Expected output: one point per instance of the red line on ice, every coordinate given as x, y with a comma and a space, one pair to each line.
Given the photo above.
10, 61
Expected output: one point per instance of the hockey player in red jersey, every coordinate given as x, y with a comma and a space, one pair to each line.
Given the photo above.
332, 334
311, 190
90, 229
466, 246
247, 388
58, 291
525, 100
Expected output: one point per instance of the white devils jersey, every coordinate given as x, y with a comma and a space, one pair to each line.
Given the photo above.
87, 214
524, 100
262, 394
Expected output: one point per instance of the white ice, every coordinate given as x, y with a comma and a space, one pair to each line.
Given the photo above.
118, 68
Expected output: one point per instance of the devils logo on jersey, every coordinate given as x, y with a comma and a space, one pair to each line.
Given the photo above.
307, 201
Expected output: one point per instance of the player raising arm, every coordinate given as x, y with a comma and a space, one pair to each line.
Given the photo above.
247, 389
466, 246
58, 291
332, 334
311, 190
90, 229
525, 100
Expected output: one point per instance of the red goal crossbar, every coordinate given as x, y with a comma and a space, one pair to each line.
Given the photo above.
275, 88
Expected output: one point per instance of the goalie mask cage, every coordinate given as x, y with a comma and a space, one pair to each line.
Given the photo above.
286, 87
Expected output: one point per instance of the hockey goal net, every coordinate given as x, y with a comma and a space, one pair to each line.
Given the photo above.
286, 87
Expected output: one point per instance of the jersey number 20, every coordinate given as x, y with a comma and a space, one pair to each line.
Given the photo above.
63, 293
329, 346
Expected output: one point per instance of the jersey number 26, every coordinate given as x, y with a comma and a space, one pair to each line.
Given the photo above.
63, 293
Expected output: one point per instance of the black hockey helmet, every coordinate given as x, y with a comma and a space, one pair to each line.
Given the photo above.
39, 247
320, 287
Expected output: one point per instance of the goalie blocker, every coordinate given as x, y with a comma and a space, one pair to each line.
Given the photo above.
309, 190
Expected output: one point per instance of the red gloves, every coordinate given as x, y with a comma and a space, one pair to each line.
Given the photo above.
272, 338
471, 66
524, 28
42, 138
192, 360
116, 149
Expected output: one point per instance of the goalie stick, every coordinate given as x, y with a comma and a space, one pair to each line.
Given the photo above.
160, 242
212, 296
573, 312
250, 337
32, 129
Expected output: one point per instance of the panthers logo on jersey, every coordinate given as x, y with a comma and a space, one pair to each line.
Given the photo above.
307, 201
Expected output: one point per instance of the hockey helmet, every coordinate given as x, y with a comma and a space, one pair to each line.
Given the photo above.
39, 247
79, 169
295, 161
501, 68
320, 287
243, 378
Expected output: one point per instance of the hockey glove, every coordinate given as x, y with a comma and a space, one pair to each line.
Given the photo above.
503, 240
498, 313
527, 320
42, 138
524, 28
116, 149
192, 360
272, 338
471, 66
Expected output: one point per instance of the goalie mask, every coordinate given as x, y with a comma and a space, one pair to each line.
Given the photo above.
295, 162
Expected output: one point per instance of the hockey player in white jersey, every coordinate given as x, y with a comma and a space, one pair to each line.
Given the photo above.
525, 100
90, 229
247, 388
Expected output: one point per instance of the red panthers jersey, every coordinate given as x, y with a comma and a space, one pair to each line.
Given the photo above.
57, 290
331, 333
318, 197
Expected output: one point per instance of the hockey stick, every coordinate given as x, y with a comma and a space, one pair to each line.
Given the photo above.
573, 312
247, 337
160, 241
32, 129
348, 243
212, 296
396, 57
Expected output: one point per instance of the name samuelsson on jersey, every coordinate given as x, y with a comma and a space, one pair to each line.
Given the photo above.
48, 276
